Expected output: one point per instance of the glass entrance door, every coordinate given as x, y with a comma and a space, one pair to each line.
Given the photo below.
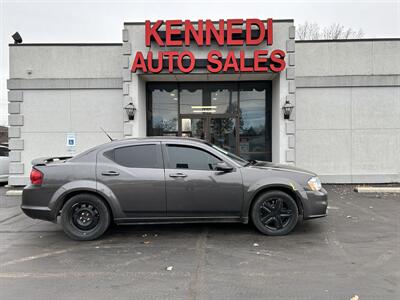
220, 131
194, 127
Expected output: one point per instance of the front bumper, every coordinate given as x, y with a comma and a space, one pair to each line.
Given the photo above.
315, 204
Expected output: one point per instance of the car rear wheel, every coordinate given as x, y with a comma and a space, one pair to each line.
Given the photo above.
275, 213
85, 217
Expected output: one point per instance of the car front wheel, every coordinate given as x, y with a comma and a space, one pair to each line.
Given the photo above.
275, 213
85, 217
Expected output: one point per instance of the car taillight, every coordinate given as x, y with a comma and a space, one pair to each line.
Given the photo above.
36, 177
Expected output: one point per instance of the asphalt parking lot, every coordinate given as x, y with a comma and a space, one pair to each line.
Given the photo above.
352, 252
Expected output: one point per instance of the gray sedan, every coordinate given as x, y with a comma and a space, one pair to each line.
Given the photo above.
168, 180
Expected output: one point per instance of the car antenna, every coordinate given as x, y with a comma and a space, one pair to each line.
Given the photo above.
111, 139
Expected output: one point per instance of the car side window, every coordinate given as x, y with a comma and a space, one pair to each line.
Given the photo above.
138, 156
192, 158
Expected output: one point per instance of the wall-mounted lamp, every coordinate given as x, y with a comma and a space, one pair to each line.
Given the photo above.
17, 38
287, 110
130, 111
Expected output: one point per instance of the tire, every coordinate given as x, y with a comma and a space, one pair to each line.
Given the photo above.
275, 213
85, 217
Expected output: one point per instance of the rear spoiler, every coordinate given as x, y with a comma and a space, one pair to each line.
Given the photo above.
42, 161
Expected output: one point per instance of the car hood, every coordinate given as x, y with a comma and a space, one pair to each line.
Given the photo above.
269, 165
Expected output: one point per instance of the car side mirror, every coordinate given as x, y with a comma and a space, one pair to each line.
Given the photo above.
223, 167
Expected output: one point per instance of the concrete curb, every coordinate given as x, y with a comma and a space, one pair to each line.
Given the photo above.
14, 193
371, 189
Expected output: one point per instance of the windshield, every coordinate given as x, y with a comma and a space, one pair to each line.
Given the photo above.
232, 156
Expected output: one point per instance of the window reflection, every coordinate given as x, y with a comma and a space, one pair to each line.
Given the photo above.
164, 111
193, 128
223, 133
225, 100
252, 122
191, 98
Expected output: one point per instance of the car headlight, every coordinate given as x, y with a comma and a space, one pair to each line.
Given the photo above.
314, 184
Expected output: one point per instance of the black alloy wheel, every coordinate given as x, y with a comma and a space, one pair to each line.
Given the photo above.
85, 217
275, 213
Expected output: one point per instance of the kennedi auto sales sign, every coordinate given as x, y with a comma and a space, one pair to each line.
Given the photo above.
233, 32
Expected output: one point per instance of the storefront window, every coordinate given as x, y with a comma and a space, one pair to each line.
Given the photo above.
223, 133
236, 116
224, 97
254, 141
191, 98
164, 111
215, 98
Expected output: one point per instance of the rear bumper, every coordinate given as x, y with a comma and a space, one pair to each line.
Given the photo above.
38, 212
315, 204
36, 203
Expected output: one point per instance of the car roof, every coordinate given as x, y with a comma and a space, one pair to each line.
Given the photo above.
158, 139
166, 138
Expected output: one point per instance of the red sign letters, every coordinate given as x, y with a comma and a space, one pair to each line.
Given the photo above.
234, 32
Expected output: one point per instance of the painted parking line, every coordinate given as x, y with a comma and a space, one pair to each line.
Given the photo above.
33, 257
14, 193
371, 189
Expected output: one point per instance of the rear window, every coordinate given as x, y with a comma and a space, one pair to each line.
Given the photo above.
139, 156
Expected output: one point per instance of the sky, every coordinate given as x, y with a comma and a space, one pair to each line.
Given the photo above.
86, 21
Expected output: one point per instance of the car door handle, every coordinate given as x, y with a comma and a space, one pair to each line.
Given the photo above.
174, 175
110, 173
